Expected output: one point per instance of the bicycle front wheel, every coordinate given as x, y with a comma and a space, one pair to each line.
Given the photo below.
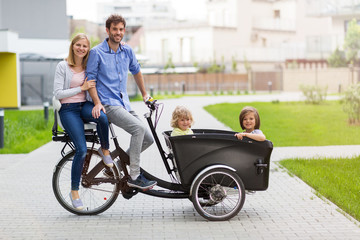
96, 197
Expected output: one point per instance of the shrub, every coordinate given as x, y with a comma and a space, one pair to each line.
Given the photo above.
337, 59
313, 94
352, 41
351, 103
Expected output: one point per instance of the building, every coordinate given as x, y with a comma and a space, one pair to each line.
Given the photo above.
339, 13
39, 30
263, 32
42, 25
137, 13
95, 31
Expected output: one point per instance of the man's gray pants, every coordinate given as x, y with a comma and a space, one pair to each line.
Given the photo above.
141, 138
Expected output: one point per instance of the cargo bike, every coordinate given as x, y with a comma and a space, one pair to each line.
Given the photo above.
211, 168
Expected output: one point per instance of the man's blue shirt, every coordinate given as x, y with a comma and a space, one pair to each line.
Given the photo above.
110, 70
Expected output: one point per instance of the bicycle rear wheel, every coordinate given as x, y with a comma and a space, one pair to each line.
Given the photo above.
96, 198
218, 194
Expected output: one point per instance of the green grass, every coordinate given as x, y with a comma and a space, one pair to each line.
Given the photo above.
300, 124
336, 179
26, 130
295, 123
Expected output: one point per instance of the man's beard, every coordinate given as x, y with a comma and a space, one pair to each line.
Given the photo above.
112, 38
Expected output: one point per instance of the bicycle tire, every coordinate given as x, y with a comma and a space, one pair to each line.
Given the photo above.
218, 194
96, 200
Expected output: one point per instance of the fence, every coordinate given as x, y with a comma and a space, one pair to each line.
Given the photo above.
335, 79
37, 79
267, 81
196, 82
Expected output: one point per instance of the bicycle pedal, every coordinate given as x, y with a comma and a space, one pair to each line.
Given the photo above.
129, 193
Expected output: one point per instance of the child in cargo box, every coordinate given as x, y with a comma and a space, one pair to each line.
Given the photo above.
181, 121
250, 122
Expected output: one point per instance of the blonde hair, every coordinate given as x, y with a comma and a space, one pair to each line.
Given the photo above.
247, 110
70, 58
178, 113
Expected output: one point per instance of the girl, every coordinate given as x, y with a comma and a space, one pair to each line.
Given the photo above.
181, 121
250, 122
70, 88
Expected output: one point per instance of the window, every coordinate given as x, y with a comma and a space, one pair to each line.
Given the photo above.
185, 48
263, 41
277, 13
165, 50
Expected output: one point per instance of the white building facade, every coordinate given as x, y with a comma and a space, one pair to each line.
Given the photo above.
264, 32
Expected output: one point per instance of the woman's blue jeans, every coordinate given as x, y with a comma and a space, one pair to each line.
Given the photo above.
73, 116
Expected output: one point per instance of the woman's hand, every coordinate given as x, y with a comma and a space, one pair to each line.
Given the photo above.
88, 84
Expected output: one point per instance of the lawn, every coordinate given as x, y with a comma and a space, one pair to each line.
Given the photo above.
336, 179
295, 123
300, 124
26, 130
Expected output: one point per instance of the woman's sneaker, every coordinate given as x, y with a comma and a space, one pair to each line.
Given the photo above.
77, 203
142, 183
107, 159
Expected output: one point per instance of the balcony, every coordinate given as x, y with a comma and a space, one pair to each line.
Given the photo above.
273, 54
274, 24
332, 8
321, 47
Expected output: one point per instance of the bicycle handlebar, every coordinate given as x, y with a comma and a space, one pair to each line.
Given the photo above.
151, 103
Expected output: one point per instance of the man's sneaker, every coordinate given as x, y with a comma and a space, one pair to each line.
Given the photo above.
141, 182
107, 159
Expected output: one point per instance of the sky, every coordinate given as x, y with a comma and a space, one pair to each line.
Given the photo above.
86, 9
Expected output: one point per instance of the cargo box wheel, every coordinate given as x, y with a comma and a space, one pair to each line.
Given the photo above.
218, 194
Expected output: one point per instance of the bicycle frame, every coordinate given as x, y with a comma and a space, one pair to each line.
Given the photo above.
217, 191
175, 190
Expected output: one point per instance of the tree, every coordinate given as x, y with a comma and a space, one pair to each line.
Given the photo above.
234, 64
215, 67
352, 41
169, 64
337, 59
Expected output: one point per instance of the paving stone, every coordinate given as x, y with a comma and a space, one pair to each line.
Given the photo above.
288, 209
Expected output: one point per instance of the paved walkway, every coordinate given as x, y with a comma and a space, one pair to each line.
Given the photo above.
289, 209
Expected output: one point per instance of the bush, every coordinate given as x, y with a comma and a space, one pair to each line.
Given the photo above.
351, 103
313, 94
337, 59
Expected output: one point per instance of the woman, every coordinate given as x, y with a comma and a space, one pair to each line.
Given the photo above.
70, 88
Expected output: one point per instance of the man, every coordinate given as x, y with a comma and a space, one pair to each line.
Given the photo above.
109, 63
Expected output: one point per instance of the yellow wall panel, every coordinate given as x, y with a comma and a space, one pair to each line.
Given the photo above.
8, 81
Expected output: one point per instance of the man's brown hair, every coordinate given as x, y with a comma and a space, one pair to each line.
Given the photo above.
114, 18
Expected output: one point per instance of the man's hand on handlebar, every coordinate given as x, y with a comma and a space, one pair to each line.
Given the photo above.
150, 102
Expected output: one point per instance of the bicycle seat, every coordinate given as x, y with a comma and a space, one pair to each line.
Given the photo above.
57, 105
